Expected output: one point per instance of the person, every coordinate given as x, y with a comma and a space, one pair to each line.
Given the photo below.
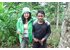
41, 31
24, 28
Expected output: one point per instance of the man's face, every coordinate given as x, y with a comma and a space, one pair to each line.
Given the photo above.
40, 17
26, 15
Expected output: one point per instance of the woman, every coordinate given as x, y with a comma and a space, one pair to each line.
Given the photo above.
24, 28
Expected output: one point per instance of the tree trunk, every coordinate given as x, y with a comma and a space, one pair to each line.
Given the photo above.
57, 22
65, 33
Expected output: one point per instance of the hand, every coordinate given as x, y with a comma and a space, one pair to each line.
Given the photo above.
42, 39
18, 32
36, 40
20, 35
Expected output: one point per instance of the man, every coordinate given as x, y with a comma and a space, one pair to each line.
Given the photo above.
41, 31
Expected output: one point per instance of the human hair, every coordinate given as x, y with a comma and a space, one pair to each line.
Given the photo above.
41, 11
23, 18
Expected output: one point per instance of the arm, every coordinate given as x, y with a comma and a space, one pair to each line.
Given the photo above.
33, 30
48, 33
18, 27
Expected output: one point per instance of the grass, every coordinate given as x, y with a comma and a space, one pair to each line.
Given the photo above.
54, 38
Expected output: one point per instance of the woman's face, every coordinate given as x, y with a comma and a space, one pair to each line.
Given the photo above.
26, 15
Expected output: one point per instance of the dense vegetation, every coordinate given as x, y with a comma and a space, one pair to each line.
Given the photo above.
11, 11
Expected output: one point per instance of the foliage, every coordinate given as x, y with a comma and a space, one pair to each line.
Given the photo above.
11, 11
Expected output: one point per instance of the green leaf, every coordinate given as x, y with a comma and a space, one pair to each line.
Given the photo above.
1, 7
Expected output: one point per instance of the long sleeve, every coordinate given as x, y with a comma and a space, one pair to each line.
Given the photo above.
33, 30
18, 26
48, 32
